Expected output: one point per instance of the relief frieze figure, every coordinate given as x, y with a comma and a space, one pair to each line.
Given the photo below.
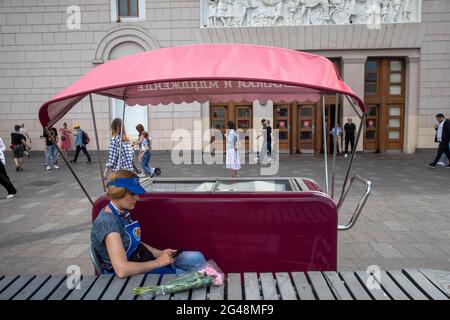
256, 13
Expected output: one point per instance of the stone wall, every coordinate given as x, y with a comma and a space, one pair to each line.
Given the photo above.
40, 56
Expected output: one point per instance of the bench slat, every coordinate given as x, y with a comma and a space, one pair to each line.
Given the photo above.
426, 285
269, 287
31, 288
86, 283
320, 286
62, 291
99, 287
287, 291
337, 286
406, 285
133, 282
216, 292
251, 286
234, 286
164, 279
302, 285
150, 280
48, 288
391, 287
199, 293
6, 281
377, 294
440, 278
15, 287
114, 289
356, 289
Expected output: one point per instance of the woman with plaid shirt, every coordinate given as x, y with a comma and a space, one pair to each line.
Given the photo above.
127, 154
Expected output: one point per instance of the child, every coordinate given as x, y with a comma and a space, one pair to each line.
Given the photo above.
145, 155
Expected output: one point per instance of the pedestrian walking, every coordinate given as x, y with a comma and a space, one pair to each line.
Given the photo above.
121, 152
18, 142
269, 139
442, 136
145, 155
349, 130
4, 179
66, 140
81, 140
27, 146
51, 151
263, 153
232, 154
336, 133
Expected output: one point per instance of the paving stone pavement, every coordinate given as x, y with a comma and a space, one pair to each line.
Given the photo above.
406, 222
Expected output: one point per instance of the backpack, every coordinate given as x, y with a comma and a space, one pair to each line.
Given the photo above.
85, 138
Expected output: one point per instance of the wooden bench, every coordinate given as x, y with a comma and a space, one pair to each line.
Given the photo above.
416, 284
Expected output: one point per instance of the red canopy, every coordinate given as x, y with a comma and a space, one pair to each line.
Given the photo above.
215, 73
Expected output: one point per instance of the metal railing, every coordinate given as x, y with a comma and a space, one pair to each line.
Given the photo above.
361, 203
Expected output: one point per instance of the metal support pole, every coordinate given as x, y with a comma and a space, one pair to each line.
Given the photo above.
98, 144
344, 185
325, 153
335, 142
68, 165
121, 134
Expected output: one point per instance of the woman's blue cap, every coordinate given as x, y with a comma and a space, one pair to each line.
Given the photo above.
131, 184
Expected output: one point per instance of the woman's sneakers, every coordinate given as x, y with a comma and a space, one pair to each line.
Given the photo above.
10, 196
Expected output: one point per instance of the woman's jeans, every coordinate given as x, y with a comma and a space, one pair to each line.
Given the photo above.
184, 262
50, 155
145, 162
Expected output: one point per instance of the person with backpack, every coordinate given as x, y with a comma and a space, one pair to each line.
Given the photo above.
81, 140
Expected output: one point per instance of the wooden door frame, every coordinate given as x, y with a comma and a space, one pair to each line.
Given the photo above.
288, 106
298, 106
383, 99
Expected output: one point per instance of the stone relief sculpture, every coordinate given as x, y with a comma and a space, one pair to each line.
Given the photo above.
212, 12
250, 7
229, 13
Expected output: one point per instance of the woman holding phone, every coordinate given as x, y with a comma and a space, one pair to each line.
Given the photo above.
116, 237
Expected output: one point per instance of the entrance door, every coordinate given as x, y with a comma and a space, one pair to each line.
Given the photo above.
244, 122
306, 128
281, 122
371, 128
385, 98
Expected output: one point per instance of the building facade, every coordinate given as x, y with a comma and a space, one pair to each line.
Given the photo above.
395, 54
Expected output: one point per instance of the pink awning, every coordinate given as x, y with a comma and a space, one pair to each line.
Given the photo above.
215, 73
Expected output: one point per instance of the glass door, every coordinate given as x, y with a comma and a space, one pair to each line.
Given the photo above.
371, 129
282, 122
306, 128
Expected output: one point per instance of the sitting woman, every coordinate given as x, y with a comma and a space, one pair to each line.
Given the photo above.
116, 238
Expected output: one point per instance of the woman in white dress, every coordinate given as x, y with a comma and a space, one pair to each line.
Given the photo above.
232, 157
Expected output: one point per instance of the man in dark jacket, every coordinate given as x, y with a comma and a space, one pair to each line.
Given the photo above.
349, 130
443, 137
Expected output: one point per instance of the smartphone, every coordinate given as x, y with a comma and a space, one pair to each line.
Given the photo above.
176, 254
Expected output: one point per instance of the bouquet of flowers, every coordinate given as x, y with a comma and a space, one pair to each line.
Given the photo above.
204, 275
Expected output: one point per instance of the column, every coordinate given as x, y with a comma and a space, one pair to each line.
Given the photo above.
411, 127
353, 69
